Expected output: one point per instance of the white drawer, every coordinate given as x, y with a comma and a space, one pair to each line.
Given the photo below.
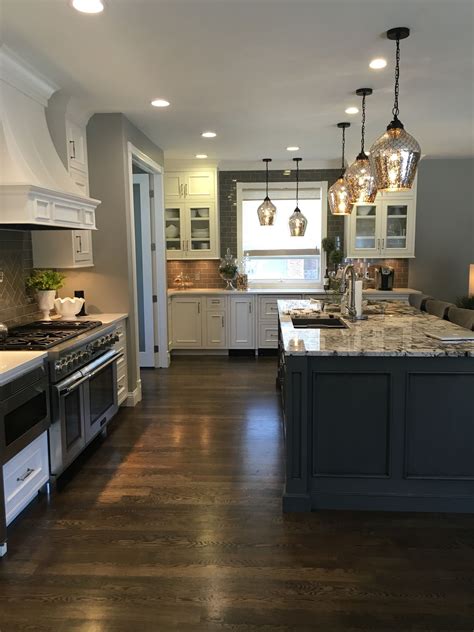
267, 335
267, 305
121, 367
122, 389
215, 302
24, 475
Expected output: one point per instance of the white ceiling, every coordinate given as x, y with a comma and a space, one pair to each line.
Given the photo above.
263, 74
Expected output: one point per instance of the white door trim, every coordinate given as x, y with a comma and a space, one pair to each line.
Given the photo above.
159, 259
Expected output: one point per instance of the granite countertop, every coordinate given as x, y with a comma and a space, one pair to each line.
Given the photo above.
399, 331
279, 292
15, 363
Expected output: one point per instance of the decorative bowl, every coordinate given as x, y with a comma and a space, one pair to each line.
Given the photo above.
68, 307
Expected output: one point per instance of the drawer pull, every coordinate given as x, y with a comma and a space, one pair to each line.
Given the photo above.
214, 301
28, 473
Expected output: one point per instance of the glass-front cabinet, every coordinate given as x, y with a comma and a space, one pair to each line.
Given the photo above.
383, 229
191, 231
191, 215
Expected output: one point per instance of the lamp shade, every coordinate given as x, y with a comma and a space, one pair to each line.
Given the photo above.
266, 212
394, 158
471, 280
360, 181
297, 223
339, 198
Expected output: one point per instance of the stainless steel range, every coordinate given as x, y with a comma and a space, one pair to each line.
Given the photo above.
82, 366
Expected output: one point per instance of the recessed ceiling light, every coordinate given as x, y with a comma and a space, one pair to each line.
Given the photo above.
201, 155
88, 6
352, 110
160, 103
378, 64
208, 134
292, 148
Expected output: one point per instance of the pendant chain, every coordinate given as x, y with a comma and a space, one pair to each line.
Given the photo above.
297, 181
362, 142
395, 110
343, 145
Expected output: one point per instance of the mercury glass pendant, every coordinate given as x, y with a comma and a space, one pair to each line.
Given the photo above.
359, 178
338, 194
297, 221
267, 210
395, 155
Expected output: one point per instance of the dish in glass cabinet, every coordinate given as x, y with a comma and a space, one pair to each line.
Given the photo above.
363, 210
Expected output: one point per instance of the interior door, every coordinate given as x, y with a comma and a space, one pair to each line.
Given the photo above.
141, 203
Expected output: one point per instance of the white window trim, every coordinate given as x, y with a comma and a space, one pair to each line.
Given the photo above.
284, 186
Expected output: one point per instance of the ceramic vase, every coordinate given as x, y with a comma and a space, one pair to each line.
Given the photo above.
45, 300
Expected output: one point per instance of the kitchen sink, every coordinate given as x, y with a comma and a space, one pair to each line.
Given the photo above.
319, 322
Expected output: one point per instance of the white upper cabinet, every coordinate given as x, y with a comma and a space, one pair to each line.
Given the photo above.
385, 229
191, 185
76, 146
191, 215
68, 248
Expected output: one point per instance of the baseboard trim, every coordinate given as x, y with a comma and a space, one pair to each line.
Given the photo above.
135, 396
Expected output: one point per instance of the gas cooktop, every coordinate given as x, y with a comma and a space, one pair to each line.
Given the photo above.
44, 334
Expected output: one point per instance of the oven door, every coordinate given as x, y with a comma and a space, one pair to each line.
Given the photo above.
100, 392
24, 414
67, 435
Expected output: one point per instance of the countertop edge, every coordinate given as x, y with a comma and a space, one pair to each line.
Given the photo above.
31, 360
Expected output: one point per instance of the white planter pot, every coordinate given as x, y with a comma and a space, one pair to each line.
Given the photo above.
45, 300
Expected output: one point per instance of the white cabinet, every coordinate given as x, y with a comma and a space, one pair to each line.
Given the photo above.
76, 146
62, 249
191, 231
191, 214
68, 248
267, 320
24, 475
186, 321
215, 330
122, 364
383, 229
242, 322
192, 186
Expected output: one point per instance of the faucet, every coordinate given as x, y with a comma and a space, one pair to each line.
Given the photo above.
352, 306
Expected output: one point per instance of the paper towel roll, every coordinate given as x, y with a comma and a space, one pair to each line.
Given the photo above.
358, 298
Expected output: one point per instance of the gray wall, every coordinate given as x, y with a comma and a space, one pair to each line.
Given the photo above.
444, 228
110, 285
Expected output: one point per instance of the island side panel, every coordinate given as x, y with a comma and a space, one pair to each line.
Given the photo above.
295, 384
383, 433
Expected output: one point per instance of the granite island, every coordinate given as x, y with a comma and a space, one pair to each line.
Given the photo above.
379, 415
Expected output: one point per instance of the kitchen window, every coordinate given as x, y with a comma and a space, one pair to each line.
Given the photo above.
276, 259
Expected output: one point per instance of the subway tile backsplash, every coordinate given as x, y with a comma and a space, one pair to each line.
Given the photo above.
17, 304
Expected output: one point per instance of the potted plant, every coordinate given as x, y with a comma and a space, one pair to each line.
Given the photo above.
45, 283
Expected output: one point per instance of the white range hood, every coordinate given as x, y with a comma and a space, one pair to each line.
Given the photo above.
36, 190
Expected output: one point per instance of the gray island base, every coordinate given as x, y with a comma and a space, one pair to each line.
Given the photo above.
379, 416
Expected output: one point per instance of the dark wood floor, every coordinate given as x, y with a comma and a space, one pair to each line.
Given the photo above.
175, 523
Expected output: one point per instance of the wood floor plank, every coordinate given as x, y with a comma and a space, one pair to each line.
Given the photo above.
174, 522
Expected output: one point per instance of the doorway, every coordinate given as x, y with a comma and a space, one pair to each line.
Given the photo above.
149, 260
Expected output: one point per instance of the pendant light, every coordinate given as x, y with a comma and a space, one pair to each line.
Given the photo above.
394, 156
267, 210
338, 194
359, 178
297, 221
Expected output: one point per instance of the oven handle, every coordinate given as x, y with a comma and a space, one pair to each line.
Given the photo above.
106, 363
68, 389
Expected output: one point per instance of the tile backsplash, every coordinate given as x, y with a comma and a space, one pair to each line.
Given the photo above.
17, 304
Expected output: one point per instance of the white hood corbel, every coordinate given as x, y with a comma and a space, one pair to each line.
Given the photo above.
36, 190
